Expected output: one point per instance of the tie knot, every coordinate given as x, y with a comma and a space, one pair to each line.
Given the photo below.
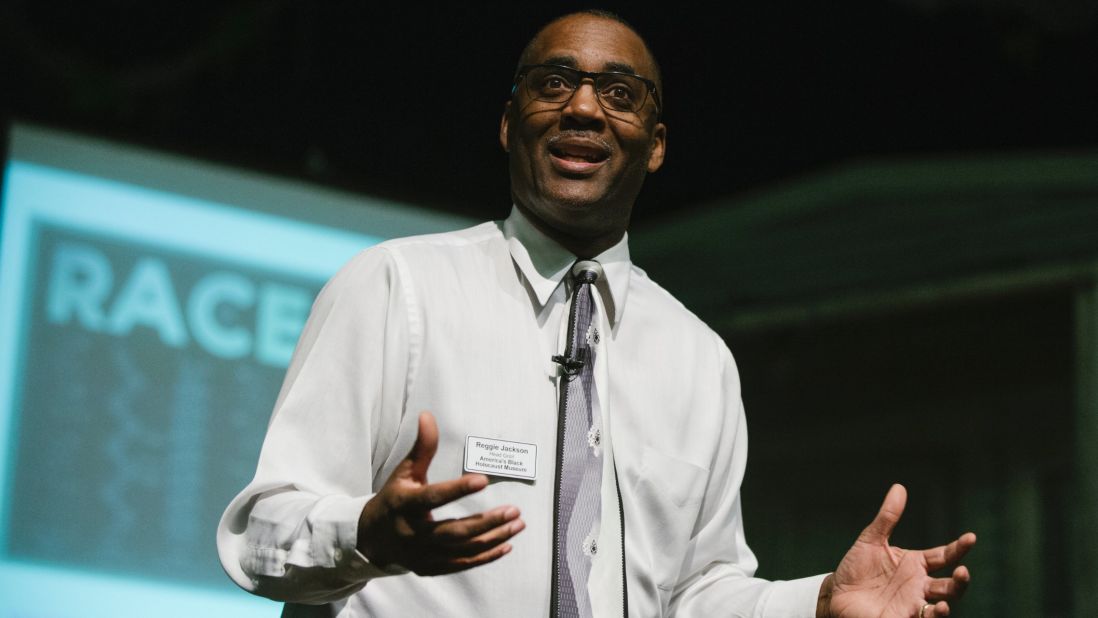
586, 271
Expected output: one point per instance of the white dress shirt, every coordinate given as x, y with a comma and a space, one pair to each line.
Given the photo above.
464, 325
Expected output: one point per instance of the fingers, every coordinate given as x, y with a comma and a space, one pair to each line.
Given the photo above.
878, 531
935, 610
490, 539
460, 544
437, 494
455, 565
424, 449
945, 556
430, 547
396, 526
456, 531
476, 544
949, 588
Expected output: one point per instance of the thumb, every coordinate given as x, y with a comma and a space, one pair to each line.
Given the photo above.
878, 531
423, 451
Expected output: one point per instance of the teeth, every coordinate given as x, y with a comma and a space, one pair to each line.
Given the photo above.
578, 152
581, 156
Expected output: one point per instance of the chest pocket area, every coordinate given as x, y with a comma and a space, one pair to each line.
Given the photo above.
669, 492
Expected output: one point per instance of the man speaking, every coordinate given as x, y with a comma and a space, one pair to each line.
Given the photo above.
513, 420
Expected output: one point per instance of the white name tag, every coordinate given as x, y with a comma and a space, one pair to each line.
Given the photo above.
501, 458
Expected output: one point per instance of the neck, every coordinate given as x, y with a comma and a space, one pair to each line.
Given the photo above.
583, 247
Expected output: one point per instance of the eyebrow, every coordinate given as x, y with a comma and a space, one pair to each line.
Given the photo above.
570, 62
619, 67
564, 61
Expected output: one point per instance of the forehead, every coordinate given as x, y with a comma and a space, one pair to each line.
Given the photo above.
593, 44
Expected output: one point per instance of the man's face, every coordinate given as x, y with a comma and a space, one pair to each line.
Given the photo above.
576, 168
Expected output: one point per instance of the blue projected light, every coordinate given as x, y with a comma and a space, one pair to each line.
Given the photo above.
144, 334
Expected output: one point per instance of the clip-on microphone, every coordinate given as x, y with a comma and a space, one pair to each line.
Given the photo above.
571, 366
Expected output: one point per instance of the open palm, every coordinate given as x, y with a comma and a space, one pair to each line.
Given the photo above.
876, 580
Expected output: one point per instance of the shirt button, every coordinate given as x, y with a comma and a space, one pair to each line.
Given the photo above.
338, 555
593, 337
594, 437
590, 547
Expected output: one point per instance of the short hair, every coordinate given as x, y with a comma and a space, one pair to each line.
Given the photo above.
524, 57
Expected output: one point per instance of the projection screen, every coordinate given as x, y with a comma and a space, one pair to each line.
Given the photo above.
149, 305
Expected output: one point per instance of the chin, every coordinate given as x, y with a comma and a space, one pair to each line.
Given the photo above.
576, 208
584, 218
578, 196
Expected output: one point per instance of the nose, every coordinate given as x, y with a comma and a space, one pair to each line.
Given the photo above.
584, 105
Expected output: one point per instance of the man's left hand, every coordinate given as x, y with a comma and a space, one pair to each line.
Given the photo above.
876, 580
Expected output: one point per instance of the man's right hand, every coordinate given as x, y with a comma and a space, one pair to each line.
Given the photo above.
396, 526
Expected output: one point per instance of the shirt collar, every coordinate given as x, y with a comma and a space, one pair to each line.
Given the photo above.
544, 263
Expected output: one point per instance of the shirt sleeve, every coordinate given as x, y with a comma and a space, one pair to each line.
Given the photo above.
717, 576
291, 534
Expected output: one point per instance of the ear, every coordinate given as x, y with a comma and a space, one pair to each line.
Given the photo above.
503, 126
659, 147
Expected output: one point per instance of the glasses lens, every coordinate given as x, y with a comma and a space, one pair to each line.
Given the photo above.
552, 84
621, 92
616, 91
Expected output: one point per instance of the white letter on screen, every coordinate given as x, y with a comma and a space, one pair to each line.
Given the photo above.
80, 280
217, 337
148, 299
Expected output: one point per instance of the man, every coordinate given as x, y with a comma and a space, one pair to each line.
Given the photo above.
470, 325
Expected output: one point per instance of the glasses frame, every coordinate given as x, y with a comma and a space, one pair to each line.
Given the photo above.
524, 70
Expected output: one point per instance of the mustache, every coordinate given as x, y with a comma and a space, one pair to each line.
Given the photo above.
582, 135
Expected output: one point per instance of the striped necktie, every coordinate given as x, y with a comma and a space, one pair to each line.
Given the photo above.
579, 466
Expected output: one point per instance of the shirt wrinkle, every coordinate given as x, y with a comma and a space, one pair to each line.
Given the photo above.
348, 416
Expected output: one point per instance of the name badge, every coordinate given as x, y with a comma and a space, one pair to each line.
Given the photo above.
501, 457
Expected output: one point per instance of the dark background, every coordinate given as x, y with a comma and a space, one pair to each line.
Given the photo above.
978, 400
403, 99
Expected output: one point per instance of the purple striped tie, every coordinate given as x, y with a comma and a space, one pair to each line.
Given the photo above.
579, 463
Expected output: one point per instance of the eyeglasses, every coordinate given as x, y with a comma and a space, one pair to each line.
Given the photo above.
619, 92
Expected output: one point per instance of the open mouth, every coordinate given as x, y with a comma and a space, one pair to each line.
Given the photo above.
578, 155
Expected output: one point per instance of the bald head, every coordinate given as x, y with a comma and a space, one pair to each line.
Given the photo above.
576, 162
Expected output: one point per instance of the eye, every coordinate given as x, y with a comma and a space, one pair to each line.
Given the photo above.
619, 91
554, 83
620, 94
